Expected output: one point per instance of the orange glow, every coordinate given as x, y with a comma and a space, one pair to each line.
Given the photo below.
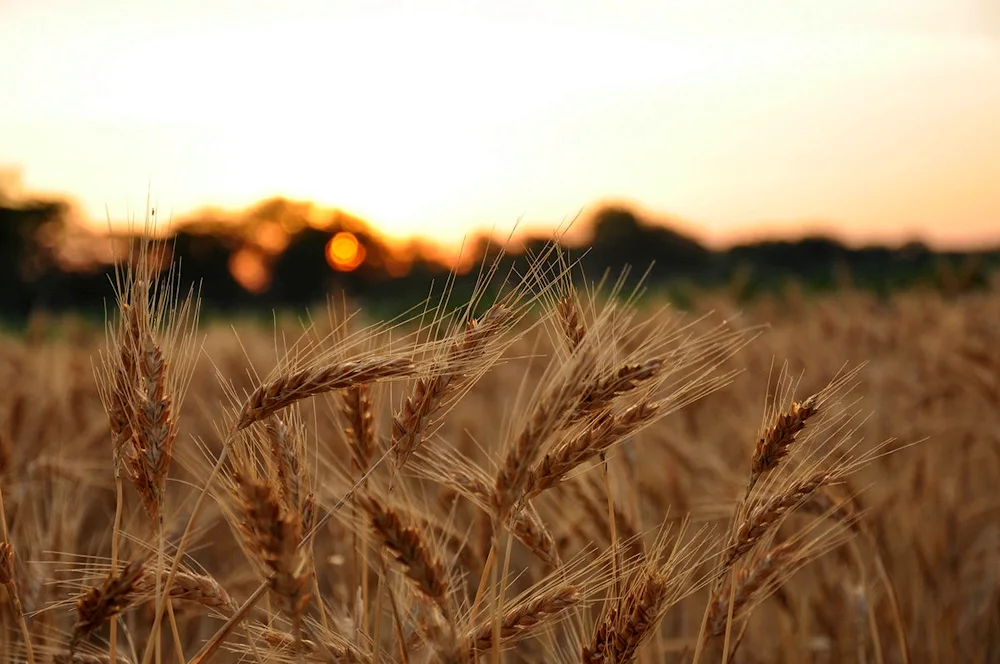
398, 267
249, 270
729, 114
271, 237
344, 252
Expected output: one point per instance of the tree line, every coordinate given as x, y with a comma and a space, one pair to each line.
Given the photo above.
287, 242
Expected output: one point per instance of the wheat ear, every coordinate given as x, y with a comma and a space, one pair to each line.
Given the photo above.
608, 430
774, 444
102, 603
763, 518
273, 534
281, 392
524, 618
408, 546
452, 375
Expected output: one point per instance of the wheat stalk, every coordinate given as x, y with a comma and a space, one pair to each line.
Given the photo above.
289, 388
423, 567
573, 327
589, 444
100, 604
524, 618
763, 518
273, 534
630, 622
451, 376
776, 440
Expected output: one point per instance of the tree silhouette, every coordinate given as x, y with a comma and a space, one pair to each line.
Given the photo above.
290, 238
619, 238
24, 261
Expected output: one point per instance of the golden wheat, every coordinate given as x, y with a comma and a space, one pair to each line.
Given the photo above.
507, 487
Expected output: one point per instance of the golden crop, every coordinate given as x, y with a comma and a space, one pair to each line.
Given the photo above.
566, 474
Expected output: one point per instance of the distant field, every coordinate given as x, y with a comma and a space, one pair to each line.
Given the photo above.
789, 478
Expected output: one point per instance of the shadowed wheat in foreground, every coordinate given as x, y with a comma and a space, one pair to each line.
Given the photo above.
548, 474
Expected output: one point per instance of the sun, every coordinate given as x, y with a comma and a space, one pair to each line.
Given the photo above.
344, 253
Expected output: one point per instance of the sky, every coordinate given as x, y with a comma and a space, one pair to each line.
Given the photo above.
868, 119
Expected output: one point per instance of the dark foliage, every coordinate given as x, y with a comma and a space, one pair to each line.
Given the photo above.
299, 275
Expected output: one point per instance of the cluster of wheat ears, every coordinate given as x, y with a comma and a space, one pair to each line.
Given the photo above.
551, 474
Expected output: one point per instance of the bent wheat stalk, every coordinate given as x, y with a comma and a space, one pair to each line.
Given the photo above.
524, 618
281, 392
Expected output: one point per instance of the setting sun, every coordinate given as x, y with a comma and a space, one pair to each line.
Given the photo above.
344, 252
740, 117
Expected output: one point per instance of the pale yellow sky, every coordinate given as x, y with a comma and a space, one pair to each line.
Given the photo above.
871, 118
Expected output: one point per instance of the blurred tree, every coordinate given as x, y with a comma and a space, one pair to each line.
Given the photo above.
24, 260
281, 246
620, 237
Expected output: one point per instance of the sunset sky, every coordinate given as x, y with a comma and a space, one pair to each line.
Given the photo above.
873, 119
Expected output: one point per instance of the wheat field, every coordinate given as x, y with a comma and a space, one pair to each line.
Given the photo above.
547, 473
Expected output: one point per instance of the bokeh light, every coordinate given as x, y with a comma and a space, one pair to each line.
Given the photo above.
344, 252
272, 237
249, 269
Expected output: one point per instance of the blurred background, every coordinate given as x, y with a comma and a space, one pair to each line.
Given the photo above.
303, 148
